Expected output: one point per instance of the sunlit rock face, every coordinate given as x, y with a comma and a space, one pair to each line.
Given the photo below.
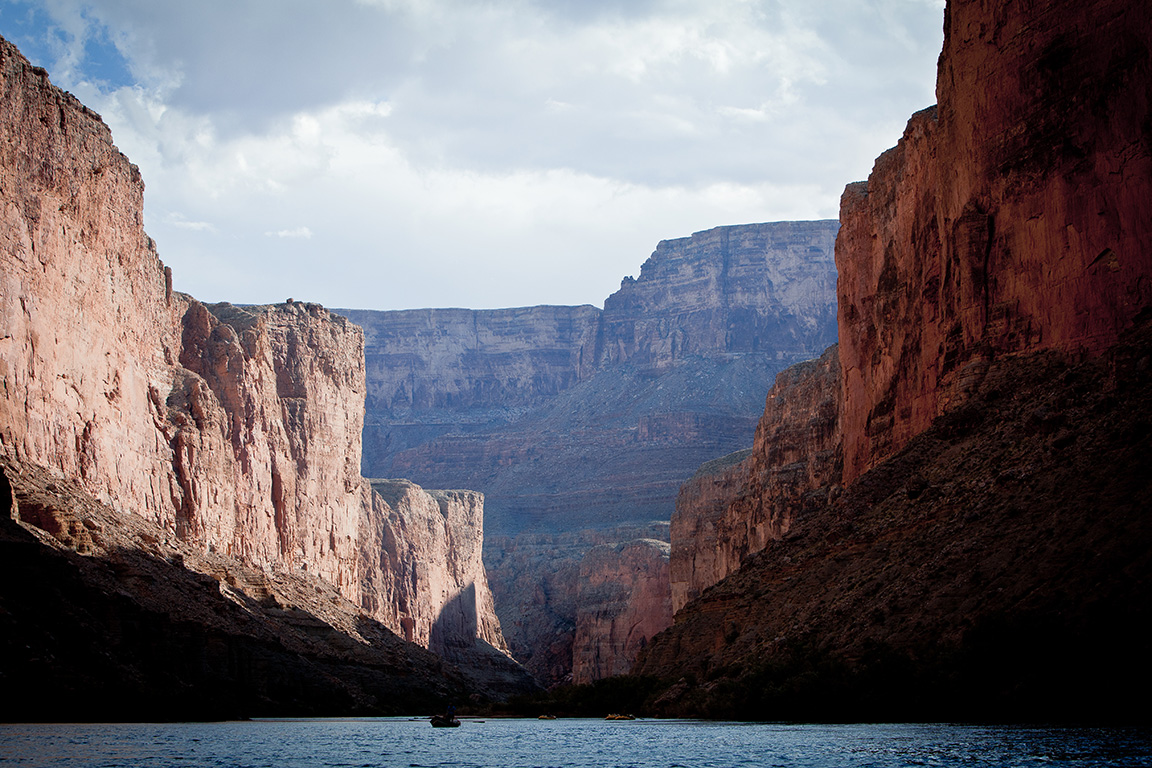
431, 579
235, 429
1013, 217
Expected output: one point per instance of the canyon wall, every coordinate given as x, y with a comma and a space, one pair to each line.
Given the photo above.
575, 421
992, 401
734, 506
537, 582
556, 411
235, 430
622, 602
1012, 217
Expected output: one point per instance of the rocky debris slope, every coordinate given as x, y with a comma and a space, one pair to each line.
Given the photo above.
1015, 216
734, 506
996, 568
236, 430
988, 556
106, 615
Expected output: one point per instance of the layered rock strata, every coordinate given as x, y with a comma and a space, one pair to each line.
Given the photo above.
573, 418
546, 409
622, 602
992, 527
539, 576
734, 506
235, 430
1013, 217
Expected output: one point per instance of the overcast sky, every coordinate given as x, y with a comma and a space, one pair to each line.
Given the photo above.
390, 154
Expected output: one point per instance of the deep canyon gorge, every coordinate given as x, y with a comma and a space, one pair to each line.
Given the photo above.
891, 466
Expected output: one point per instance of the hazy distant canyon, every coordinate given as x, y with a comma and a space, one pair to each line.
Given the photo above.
579, 424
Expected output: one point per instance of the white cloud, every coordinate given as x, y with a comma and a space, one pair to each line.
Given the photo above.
297, 233
506, 153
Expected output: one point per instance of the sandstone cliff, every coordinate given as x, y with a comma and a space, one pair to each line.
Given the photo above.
622, 602
1015, 216
994, 334
734, 506
235, 430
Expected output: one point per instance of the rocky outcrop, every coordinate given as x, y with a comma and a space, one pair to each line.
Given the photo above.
734, 506
622, 601
752, 289
1013, 217
556, 411
235, 430
994, 339
425, 569
538, 576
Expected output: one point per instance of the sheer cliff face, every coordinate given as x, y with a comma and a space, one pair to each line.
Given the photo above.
735, 506
758, 288
1014, 217
236, 430
241, 435
623, 601
995, 336
425, 567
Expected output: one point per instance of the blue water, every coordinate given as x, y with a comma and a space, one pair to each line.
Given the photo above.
371, 742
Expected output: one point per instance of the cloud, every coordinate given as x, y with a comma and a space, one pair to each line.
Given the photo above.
297, 233
454, 153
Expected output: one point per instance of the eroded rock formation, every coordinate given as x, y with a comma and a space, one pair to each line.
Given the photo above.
734, 506
622, 602
1013, 217
573, 418
994, 340
570, 417
235, 430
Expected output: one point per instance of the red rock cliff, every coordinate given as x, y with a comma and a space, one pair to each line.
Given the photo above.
734, 506
622, 602
1016, 216
235, 430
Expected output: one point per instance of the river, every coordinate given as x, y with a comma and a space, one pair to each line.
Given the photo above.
563, 743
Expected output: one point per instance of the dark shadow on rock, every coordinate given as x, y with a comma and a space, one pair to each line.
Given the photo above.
492, 674
131, 634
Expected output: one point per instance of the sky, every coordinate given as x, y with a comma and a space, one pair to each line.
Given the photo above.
394, 154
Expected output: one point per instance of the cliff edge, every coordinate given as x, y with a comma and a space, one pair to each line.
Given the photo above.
234, 430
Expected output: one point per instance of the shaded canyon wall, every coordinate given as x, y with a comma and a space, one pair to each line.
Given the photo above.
991, 397
1012, 217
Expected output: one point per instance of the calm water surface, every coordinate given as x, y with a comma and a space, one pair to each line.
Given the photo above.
372, 742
